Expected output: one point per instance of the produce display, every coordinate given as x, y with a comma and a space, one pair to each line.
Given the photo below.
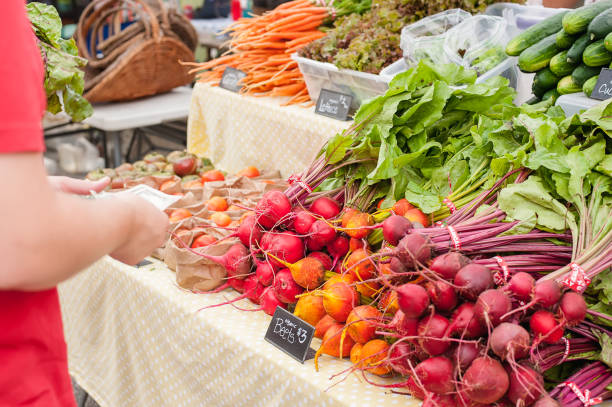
370, 42
566, 50
449, 238
64, 79
159, 171
262, 47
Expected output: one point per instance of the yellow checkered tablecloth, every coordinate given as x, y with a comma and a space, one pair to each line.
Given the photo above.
136, 339
236, 131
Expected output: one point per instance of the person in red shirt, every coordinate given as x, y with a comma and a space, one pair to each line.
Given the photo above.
47, 235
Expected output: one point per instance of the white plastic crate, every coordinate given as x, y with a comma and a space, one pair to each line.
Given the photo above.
362, 86
323, 75
576, 103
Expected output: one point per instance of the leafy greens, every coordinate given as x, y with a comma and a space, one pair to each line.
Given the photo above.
64, 78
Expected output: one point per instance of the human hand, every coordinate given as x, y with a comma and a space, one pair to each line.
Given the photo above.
77, 186
148, 230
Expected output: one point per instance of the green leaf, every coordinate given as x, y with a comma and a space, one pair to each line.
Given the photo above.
64, 79
601, 115
531, 199
337, 146
46, 22
76, 106
427, 110
605, 165
425, 200
606, 349
53, 103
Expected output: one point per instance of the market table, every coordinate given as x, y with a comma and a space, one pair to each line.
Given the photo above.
136, 339
112, 118
236, 131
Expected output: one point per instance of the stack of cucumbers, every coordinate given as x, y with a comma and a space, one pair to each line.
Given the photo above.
567, 51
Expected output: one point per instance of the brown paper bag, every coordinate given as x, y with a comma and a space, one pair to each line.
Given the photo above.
194, 272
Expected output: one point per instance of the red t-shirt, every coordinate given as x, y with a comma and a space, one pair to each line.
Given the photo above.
33, 359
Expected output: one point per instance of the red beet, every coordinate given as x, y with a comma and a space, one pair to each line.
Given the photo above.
237, 284
249, 231
285, 287
510, 341
273, 207
414, 249
338, 248
485, 381
465, 353
526, 386
269, 301
472, 280
447, 265
573, 308
491, 306
325, 207
394, 228
403, 325
236, 261
521, 286
545, 327
322, 233
253, 289
401, 353
284, 245
439, 400
546, 401
442, 295
412, 299
464, 322
547, 293
265, 273
430, 328
323, 258
436, 375
302, 222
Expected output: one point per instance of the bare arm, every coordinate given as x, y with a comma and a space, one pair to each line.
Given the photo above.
47, 236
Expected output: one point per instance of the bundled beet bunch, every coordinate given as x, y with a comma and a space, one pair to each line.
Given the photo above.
451, 238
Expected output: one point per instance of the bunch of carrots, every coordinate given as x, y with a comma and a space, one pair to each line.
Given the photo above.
262, 47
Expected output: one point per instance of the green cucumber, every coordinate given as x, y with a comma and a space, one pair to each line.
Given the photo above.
577, 21
545, 79
535, 34
589, 85
567, 85
538, 55
533, 100
559, 65
537, 90
565, 40
601, 25
608, 42
574, 54
553, 93
582, 73
596, 54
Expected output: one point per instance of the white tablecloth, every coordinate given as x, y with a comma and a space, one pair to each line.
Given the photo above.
136, 339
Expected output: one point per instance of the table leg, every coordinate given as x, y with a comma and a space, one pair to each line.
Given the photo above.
116, 140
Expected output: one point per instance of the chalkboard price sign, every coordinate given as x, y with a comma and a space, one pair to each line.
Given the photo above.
290, 334
143, 263
603, 88
333, 104
231, 79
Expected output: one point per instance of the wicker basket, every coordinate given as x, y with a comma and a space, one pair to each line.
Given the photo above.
131, 61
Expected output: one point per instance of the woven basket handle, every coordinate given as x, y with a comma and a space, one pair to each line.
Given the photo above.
164, 16
94, 19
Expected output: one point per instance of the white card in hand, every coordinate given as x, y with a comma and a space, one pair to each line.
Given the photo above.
157, 198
